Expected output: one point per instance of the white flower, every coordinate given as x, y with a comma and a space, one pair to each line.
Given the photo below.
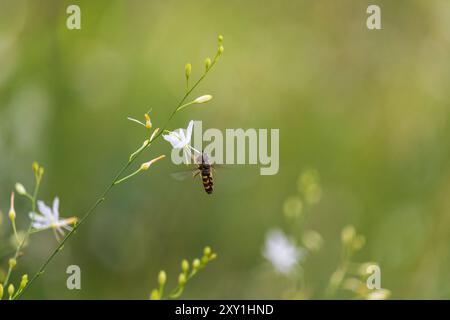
281, 252
181, 139
380, 294
49, 218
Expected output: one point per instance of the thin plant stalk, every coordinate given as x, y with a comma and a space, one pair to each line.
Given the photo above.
27, 234
110, 186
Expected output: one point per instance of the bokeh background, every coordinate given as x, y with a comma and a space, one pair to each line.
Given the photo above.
369, 110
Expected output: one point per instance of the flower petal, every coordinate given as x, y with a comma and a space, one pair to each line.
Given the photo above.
172, 139
40, 225
46, 211
189, 130
56, 208
37, 217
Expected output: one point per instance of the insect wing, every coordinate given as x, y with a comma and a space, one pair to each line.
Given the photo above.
184, 174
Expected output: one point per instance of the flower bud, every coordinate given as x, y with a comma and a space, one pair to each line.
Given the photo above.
182, 279
1, 291
11, 290
162, 277
148, 123
207, 64
213, 256
220, 38
207, 251
35, 167
12, 263
188, 70
336, 278
155, 132
359, 242
196, 264
293, 207
348, 234
221, 48
147, 165
20, 189
203, 99
12, 212
41, 171
23, 282
155, 295
185, 266
312, 240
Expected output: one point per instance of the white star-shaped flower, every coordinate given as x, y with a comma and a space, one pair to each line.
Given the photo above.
281, 252
181, 139
49, 219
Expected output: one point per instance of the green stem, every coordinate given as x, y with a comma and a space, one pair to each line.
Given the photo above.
25, 238
107, 190
13, 222
176, 293
128, 176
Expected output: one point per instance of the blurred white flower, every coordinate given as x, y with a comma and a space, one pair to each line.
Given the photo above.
281, 252
379, 294
181, 139
49, 218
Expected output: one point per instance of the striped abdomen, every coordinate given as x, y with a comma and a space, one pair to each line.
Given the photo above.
207, 178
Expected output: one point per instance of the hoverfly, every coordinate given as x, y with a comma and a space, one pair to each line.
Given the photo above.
203, 168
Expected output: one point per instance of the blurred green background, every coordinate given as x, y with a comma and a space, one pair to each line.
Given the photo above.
369, 110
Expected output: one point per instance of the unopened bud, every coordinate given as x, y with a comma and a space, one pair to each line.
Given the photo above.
147, 165
155, 295
359, 242
162, 277
207, 251
12, 263
188, 70
185, 265
196, 264
11, 290
182, 279
1, 291
348, 234
220, 38
35, 167
203, 99
221, 48
23, 282
12, 212
20, 189
154, 134
213, 256
207, 64
148, 123
312, 240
